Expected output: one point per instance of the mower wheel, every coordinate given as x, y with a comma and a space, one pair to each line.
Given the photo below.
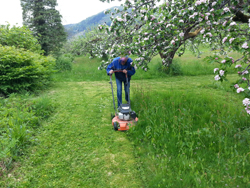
116, 124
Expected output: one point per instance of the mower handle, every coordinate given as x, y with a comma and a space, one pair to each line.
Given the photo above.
119, 71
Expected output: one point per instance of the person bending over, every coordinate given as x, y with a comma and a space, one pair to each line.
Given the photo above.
125, 65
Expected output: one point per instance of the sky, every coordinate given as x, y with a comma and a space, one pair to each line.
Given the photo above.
72, 11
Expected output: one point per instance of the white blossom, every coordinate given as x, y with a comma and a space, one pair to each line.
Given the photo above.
246, 102
222, 72
217, 77
233, 23
226, 9
231, 40
244, 45
216, 69
240, 89
181, 34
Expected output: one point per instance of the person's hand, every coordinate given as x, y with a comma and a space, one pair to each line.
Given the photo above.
111, 72
125, 71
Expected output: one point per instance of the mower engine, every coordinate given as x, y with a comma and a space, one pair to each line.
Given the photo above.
125, 112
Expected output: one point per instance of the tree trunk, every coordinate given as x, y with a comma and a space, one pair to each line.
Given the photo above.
168, 57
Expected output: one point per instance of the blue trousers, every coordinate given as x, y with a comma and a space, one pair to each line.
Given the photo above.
119, 91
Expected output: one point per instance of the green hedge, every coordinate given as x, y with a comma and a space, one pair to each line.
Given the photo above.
20, 37
23, 70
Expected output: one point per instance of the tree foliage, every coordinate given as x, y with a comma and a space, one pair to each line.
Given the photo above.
149, 30
45, 23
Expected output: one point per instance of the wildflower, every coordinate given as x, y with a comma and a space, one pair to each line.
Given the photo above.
181, 21
212, 10
145, 69
244, 45
237, 66
217, 77
173, 42
240, 89
223, 61
214, 3
243, 78
206, 17
146, 18
216, 69
246, 102
224, 23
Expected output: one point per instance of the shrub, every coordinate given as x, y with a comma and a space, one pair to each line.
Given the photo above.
23, 70
20, 37
64, 62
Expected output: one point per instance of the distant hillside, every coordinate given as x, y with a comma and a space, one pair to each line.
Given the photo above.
100, 18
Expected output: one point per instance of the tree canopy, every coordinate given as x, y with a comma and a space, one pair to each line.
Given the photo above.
149, 30
45, 22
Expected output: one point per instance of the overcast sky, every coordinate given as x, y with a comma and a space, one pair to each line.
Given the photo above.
73, 11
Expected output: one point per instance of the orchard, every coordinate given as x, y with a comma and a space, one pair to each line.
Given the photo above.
146, 29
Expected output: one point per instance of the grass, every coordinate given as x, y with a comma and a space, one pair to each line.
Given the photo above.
192, 132
191, 138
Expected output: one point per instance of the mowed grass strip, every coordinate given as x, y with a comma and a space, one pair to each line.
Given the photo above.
78, 147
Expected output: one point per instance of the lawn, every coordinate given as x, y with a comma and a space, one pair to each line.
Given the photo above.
192, 132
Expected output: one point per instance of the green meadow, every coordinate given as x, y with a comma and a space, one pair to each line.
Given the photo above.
192, 131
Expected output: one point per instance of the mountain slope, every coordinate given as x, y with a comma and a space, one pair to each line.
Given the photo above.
100, 18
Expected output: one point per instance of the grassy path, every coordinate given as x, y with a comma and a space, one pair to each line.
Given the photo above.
77, 146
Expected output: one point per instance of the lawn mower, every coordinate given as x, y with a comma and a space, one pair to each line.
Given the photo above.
124, 116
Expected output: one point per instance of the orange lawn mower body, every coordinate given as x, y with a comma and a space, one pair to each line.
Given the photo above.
124, 116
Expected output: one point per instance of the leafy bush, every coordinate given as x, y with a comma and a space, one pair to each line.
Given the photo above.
64, 62
23, 70
20, 37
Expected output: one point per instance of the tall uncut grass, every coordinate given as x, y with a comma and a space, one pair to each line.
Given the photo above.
191, 138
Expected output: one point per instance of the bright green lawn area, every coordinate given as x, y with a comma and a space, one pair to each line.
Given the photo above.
77, 146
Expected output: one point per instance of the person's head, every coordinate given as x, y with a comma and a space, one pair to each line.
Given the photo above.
124, 60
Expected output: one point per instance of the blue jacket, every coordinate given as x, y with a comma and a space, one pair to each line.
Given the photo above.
116, 65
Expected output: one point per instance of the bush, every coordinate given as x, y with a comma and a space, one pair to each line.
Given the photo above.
20, 37
64, 62
23, 70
